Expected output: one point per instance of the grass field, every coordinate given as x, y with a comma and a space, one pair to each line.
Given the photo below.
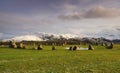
100, 60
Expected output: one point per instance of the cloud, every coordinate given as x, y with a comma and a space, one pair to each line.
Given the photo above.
1, 34
70, 16
10, 22
102, 12
69, 12
118, 29
97, 12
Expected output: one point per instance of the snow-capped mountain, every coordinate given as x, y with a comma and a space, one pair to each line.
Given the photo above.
40, 37
109, 34
106, 33
25, 37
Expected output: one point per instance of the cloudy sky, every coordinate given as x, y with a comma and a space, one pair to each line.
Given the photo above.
79, 17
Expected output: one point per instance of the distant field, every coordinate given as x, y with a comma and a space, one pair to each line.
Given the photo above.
100, 60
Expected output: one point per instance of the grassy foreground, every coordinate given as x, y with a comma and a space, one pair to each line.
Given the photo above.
100, 60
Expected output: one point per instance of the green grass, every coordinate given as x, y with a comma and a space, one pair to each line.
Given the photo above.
100, 60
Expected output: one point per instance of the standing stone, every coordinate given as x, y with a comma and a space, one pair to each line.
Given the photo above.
110, 46
74, 48
70, 48
90, 47
40, 47
53, 48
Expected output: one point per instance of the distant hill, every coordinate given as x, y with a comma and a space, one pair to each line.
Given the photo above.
50, 36
116, 40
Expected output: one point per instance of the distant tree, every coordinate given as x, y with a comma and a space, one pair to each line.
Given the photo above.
20, 45
34, 46
24, 47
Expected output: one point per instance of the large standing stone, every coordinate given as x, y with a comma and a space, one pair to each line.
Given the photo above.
53, 48
74, 48
110, 46
70, 48
90, 47
40, 47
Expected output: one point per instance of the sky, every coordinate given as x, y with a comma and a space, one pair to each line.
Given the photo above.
79, 17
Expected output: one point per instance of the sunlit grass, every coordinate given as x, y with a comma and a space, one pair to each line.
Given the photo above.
100, 60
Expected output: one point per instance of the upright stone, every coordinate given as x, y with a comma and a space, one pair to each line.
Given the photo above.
90, 47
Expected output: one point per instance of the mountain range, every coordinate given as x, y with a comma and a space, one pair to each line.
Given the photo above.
40, 37
109, 34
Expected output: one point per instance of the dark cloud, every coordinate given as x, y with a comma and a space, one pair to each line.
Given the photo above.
118, 29
27, 6
97, 12
102, 12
